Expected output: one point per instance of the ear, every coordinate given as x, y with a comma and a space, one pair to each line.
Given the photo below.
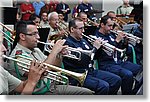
22, 36
71, 29
102, 24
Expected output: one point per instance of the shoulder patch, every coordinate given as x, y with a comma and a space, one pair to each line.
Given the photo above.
18, 52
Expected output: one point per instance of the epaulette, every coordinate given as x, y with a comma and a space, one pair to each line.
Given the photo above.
18, 52
120, 7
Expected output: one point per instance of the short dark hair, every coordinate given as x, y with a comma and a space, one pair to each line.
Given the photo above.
33, 17
72, 23
80, 13
21, 27
110, 12
104, 19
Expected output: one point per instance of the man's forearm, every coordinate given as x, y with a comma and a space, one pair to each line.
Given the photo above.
28, 88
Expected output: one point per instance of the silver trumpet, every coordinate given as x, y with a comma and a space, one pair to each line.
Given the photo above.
54, 72
132, 39
107, 46
78, 52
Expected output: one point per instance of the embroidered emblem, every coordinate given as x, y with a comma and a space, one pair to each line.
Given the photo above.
18, 52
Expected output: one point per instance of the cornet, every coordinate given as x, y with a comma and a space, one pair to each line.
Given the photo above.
51, 70
107, 46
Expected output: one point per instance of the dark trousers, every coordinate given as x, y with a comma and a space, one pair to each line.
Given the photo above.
126, 71
102, 82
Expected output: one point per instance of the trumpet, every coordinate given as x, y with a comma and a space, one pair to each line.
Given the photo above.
56, 36
92, 22
51, 75
57, 77
8, 29
65, 29
107, 46
132, 39
70, 49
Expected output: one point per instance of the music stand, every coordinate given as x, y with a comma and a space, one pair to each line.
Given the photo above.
43, 33
90, 30
9, 15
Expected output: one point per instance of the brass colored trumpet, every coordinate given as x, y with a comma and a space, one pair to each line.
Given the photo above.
78, 76
51, 75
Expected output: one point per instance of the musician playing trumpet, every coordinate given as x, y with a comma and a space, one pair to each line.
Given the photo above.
112, 62
86, 20
25, 44
101, 82
56, 31
9, 83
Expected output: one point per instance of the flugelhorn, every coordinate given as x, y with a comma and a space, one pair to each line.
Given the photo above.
132, 39
107, 46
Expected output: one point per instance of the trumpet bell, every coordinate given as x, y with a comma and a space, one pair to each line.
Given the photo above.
78, 76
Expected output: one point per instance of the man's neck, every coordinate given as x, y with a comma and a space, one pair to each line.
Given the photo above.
102, 31
75, 37
25, 45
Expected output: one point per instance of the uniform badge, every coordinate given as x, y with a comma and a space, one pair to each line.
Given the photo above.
112, 39
18, 52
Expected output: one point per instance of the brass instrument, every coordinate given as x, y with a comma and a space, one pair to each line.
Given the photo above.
13, 33
51, 75
120, 21
107, 46
65, 29
132, 39
56, 36
63, 22
7, 37
70, 49
78, 76
91, 22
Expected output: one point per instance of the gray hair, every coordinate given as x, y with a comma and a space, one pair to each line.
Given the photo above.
51, 14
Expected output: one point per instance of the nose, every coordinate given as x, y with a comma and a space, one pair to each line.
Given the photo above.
37, 36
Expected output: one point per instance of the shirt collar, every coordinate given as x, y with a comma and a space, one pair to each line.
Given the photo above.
52, 29
73, 39
24, 48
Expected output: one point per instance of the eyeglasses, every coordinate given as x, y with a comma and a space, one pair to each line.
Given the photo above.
81, 28
109, 25
36, 21
32, 34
